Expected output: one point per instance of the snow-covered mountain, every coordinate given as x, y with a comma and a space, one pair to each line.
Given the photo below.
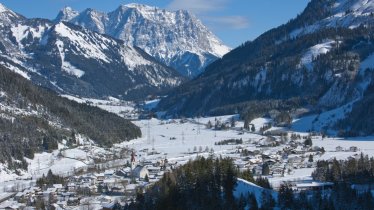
321, 60
75, 60
176, 38
338, 13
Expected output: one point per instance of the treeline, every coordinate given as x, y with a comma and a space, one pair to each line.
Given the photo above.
210, 183
360, 120
205, 183
24, 136
260, 181
353, 170
200, 184
54, 119
341, 196
229, 142
49, 180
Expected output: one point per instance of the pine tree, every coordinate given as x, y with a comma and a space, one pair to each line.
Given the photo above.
209, 125
253, 129
265, 169
285, 197
241, 203
233, 122
246, 124
252, 202
247, 175
308, 142
310, 158
267, 201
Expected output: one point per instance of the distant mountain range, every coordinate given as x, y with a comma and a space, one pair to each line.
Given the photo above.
74, 60
175, 38
321, 60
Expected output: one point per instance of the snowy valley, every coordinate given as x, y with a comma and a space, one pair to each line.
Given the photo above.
145, 108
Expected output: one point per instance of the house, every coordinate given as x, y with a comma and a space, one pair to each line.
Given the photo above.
71, 187
277, 171
125, 172
131, 189
100, 178
257, 170
11, 205
314, 186
140, 172
153, 170
353, 149
339, 149
108, 173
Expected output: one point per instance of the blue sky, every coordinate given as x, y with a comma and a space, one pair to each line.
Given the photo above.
233, 21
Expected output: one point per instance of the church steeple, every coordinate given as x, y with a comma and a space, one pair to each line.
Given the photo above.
133, 161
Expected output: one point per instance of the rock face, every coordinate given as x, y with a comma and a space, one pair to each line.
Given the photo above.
75, 60
177, 39
320, 60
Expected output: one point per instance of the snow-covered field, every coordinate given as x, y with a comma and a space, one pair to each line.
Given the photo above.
122, 108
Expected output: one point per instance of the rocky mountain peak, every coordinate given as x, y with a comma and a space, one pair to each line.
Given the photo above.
66, 14
175, 38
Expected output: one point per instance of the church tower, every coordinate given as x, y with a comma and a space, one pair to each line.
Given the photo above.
133, 162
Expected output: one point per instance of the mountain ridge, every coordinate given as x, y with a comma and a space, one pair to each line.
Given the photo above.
320, 70
176, 38
70, 59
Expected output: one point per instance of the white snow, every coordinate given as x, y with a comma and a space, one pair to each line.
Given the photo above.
345, 13
313, 52
19, 32
113, 105
16, 70
132, 58
168, 36
90, 50
260, 79
67, 14
219, 49
149, 105
368, 63
65, 65
319, 122
3, 8
181, 141
244, 187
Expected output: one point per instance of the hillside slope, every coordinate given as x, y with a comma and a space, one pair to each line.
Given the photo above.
33, 119
282, 70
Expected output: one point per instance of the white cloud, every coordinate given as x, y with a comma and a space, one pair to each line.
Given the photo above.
234, 22
207, 11
198, 6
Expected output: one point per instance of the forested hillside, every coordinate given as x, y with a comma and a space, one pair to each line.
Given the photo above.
314, 62
33, 119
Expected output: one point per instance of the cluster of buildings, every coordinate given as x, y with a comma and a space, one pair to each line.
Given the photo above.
105, 190
265, 161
